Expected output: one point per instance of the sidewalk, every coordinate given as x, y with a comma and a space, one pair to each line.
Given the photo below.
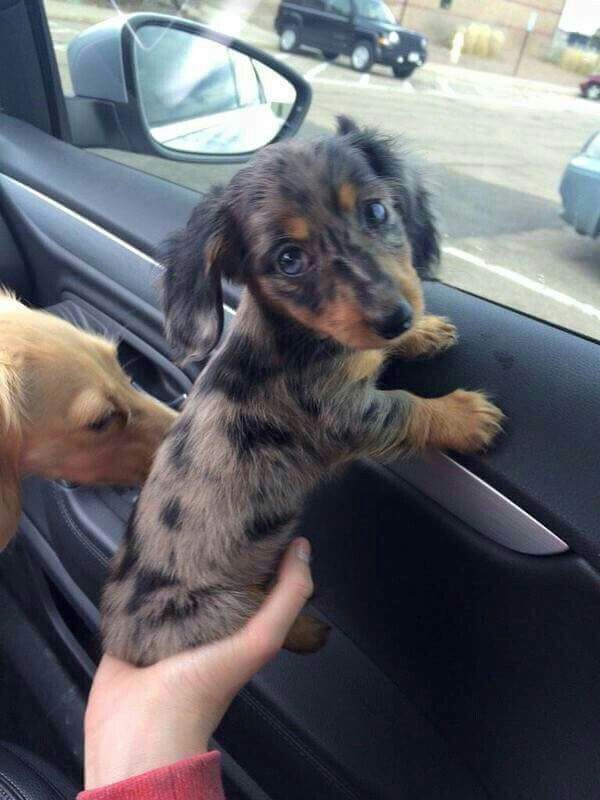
538, 74
497, 79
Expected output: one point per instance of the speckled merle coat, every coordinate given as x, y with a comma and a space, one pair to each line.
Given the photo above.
328, 239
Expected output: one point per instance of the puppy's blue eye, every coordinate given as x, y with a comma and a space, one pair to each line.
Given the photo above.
292, 261
375, 213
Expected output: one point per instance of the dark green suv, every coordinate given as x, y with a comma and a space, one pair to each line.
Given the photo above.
365, 30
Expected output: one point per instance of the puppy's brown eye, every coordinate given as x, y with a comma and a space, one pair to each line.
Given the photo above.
103, 423
292, 261
375, 213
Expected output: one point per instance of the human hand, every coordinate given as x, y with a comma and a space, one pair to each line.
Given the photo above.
143, 718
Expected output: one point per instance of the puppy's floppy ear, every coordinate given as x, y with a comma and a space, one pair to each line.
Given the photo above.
421, 225
380, 150
412, 197
345, 125
196, 258
10, 452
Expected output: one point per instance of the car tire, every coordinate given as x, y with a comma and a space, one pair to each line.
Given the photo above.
403, 70
289, 39
593, 91
362, 56
329, 55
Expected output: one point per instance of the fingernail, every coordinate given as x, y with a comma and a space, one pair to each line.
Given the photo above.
303, 550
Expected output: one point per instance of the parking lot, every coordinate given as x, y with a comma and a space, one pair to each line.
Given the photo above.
495, 149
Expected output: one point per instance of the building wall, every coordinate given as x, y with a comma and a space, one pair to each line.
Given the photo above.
502, 13
509, 16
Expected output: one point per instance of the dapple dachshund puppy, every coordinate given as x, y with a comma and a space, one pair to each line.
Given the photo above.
329, 238
67, 409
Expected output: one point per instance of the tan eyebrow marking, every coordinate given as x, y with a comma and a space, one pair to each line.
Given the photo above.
297, 228
347, 195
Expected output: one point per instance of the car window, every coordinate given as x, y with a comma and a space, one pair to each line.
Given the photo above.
496, 98
341, 7
374, 9
592, 149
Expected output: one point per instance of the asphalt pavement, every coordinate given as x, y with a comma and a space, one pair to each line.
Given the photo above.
495, 149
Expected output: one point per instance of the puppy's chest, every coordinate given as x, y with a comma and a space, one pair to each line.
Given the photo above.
364, 365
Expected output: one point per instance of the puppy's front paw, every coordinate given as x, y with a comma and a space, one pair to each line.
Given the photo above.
439, 335
430, 336
472, 421
307, 635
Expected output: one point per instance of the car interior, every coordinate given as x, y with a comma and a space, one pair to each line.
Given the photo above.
463, 591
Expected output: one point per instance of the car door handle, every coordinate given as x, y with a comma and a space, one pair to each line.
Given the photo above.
149, 375
149, 370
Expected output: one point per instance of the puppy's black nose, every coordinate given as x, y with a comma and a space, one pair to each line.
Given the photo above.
395, 323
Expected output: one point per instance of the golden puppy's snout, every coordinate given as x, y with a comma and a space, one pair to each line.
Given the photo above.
149, 421
108, 448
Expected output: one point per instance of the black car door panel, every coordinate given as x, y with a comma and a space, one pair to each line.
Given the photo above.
499, 650
458, 667
13, 271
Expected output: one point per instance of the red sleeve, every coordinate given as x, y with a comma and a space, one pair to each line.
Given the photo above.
197, 778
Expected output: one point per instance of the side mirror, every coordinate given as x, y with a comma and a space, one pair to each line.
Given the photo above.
161, 85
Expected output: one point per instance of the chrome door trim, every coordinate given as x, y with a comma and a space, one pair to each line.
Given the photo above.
478, 504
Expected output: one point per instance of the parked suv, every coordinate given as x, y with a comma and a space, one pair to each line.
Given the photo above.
365, 30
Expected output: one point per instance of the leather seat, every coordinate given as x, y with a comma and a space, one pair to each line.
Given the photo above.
24, 776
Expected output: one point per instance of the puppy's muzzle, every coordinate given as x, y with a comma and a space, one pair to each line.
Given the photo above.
395, 323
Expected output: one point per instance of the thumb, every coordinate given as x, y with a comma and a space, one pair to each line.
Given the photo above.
265, 633
234, 660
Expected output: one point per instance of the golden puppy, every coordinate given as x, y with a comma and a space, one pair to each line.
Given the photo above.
67, 409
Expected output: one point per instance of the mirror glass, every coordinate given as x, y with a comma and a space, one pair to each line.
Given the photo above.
201, 97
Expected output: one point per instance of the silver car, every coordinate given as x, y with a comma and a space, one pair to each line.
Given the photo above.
580, 189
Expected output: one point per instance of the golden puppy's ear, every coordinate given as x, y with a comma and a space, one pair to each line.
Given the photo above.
10, 453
